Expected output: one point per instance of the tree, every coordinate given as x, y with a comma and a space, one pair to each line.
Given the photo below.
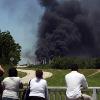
9, 50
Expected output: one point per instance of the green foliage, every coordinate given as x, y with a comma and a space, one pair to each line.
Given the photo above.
97, 62
94, 80
64, 62
9, 49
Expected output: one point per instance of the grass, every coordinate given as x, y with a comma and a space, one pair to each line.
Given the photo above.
58, 78
94, 80
21, 74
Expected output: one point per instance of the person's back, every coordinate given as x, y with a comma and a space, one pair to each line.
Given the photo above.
11, 84
75, 81
38, 87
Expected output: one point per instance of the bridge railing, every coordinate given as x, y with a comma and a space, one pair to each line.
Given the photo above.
59, 93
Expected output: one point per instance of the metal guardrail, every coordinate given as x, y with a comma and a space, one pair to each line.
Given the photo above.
59, 93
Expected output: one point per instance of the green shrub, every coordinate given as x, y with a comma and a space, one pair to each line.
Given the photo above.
64, 62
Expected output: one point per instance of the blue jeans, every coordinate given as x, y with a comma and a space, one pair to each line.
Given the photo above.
5, 98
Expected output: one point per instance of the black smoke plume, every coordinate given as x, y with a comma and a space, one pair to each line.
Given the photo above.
69, 28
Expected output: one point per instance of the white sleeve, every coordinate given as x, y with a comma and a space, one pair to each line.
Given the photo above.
84, 82
46, 92
20, 81
66, 80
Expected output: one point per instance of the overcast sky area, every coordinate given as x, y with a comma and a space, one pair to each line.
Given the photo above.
21, 18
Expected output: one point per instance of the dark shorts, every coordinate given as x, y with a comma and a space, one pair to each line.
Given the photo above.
36, 98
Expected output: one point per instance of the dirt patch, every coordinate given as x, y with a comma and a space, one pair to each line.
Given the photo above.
31, 74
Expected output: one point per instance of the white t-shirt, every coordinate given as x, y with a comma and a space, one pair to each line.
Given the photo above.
11, 85
38, 87
75, 81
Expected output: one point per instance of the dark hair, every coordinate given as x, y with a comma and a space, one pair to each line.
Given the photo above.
74, 67
39, 73
12, 72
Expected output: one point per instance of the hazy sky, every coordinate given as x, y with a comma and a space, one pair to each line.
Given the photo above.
21, 18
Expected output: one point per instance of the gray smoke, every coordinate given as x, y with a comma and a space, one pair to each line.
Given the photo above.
69, 28
26, 15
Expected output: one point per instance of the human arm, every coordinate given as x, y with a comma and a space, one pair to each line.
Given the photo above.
46, 92
2, 84
1, 71
20, 84
84, 83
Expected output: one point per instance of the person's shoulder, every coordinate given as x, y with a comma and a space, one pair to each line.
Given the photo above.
33, 79
67, 74
82, 75
43, 80
17, 78
6, 79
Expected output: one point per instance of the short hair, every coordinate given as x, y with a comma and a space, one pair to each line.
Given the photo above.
74, 67
39, 73
12, 72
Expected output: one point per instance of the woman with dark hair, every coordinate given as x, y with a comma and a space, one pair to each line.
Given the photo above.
11, 85
38, 87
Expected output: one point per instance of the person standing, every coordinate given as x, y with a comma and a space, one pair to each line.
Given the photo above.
11, 85
75, 82
38, 87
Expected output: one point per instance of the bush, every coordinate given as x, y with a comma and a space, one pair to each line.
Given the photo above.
64, 62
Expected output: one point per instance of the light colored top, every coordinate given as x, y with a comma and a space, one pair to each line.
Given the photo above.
38, 87
75, 82
11, 85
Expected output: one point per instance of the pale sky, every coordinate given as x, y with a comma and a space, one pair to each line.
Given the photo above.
21, 18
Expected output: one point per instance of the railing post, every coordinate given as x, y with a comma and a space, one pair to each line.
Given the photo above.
94, 95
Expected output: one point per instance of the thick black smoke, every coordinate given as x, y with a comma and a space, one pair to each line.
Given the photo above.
69, 28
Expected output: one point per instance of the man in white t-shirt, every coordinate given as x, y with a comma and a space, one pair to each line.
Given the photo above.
76, 81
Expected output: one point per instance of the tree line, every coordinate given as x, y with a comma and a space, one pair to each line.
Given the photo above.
65, 62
